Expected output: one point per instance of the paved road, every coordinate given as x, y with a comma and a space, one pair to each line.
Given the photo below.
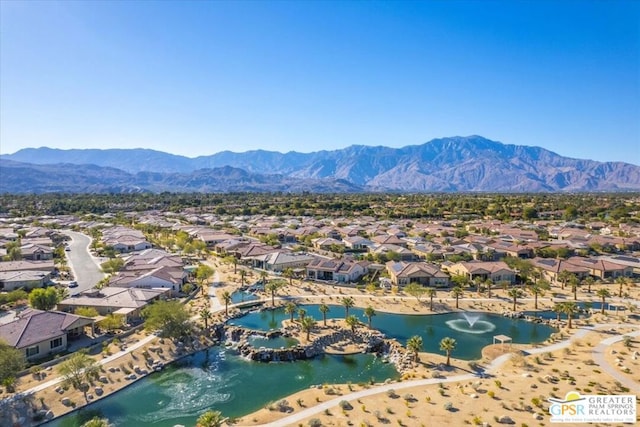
84, 266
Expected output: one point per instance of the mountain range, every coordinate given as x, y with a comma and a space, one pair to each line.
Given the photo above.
450, 164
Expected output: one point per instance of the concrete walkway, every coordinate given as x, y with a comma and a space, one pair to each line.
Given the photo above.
213, 299
598, 356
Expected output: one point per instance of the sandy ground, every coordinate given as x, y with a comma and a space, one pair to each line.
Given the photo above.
517, 389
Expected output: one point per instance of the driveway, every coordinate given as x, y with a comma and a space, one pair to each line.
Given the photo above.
84, 266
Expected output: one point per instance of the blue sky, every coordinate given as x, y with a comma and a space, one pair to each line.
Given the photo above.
195, 78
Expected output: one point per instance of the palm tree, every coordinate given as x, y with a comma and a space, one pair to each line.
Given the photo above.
488, 283
574, 282
307, 324
557, 308
447, 345
621, 281
431, 293
243, 276
272, 287
564, 276
347, 302
538, 289
604, 294
210, 419
569, 308
324, 309
457, 293
414, 345
226, 299
205, 315
369, 312
352, 321
263, 277
301, 313
477, 281
515, 293
588, 281
290, 309
289, 274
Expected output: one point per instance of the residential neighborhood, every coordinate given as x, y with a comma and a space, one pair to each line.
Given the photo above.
205, 261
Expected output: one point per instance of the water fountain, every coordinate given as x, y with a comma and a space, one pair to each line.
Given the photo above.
472, 318
471, 324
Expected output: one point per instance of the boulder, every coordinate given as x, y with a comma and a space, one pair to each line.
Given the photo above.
505, 419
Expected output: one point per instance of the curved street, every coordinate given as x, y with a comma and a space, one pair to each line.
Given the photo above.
86, 269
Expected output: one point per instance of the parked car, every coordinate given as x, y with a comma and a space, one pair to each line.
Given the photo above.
73, 284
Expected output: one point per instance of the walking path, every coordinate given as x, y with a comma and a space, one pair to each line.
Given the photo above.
598, 357
214, 301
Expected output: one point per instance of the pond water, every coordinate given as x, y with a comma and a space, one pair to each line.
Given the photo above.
471, 334
276, 342
584, 314
243, 296
219, 379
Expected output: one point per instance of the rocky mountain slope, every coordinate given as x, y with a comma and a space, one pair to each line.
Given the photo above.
449, 164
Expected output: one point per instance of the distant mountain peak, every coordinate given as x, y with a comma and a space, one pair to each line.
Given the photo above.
459, 163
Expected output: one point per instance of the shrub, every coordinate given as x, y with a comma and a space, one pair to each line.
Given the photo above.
314, 422
283, 405
448, 406
344, 405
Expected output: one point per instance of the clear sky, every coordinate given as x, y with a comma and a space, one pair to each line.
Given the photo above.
196, 78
